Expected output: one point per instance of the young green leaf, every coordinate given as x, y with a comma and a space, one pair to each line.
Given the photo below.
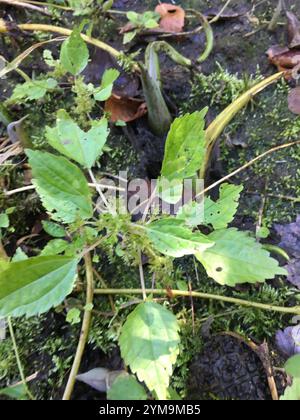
61, 185
292, 366
55, 247
185, 147
32, 90
129, 36
33, 286
105, 90
74, 53
237, 258
4, 220
73, 316
171, 237
149, 344
292, 393
71, 141
19, 255
53, 229
220, 213
126, 387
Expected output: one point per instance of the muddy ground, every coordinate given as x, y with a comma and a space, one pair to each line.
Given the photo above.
271, 189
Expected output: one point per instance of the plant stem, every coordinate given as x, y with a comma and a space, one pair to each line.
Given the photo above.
20, 367
216, 128
179, 293
142, 278
84, 328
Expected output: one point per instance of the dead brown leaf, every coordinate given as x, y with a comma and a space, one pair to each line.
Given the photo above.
125, 109
294, 100
285, 59
172, 17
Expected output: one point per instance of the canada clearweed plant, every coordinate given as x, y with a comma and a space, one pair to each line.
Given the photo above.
87, 218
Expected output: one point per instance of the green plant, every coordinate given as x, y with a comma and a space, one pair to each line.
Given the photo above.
147, 20
149, 338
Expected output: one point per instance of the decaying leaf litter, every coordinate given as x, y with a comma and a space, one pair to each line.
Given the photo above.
275, 201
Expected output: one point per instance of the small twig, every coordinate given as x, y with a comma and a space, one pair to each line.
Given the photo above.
19, 363
262, 209
93, 185
26, 6
279, 196
84, 328
242, 168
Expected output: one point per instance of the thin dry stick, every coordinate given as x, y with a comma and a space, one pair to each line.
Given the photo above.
295, 310
84, 328
26, 6
242, 168
32, 187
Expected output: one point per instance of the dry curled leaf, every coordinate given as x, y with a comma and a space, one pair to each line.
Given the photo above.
125, 109
285, 59
172, 17
294, 100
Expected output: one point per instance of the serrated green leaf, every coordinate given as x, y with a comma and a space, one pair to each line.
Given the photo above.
4, 220
171, 237
105, 90
237, 258
33, 286
63, 189
83, 147
53, 229
74, 53
55, 247
32, 90
185, 147
292, 366
126, 388
292, 393
220, 213
149, 343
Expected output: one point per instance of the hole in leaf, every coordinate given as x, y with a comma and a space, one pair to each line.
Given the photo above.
219, 269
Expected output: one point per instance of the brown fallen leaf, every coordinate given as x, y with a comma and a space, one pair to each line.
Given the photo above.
172, 17
285, 59
125, 109
293, 30
294, 100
